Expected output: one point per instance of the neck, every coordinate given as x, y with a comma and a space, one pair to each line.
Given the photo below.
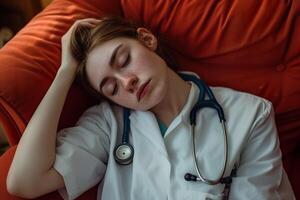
174, 100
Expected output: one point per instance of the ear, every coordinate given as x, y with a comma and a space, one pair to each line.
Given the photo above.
147, 38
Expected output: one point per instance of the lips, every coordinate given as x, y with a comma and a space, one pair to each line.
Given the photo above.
141, 91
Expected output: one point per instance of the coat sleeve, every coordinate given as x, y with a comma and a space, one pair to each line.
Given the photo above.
82, 152
260, 173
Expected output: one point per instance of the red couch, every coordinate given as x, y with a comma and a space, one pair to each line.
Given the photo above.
253, 46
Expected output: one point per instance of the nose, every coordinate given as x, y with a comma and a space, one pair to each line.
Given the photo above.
129, 82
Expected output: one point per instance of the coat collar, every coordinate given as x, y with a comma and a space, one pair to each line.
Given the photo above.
184, 115
144, 123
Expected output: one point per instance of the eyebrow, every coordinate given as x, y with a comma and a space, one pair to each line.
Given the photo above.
111, 62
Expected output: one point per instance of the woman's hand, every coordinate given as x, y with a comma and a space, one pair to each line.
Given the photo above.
67, 59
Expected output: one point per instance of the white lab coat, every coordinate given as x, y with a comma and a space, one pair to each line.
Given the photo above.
85, 153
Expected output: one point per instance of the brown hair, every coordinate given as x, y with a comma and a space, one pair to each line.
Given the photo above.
85, 39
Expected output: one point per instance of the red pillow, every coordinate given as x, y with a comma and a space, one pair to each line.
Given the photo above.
241, 44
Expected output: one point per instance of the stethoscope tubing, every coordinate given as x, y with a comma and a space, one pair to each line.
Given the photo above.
200, 176
125, 137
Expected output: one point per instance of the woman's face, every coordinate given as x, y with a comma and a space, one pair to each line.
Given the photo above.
128, 71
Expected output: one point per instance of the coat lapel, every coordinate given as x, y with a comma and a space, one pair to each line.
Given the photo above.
144, 123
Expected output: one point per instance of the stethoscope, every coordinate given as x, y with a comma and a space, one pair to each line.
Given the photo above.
124, 152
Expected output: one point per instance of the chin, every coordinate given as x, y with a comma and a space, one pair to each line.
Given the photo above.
155, 101
144, 107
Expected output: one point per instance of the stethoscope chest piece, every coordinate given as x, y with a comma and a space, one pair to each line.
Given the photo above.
123, 154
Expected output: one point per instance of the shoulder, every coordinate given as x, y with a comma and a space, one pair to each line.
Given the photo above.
231, 97
100, 108
243, 107
102, 112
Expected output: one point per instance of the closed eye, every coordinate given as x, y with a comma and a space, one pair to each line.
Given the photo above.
126, 61
110, 87
115, 90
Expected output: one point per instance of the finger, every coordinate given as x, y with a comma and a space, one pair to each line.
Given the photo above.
91, 20
82, 24
87, 24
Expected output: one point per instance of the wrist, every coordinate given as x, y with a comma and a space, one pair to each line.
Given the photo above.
67, 69
66, 72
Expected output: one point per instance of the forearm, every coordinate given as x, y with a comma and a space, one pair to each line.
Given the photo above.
35, 154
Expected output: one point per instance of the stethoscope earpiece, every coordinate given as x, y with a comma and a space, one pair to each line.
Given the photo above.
190, 177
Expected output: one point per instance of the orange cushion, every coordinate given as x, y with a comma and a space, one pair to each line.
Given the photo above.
240, 44
244, 45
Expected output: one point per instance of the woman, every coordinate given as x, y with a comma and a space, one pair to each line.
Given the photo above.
124, 64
